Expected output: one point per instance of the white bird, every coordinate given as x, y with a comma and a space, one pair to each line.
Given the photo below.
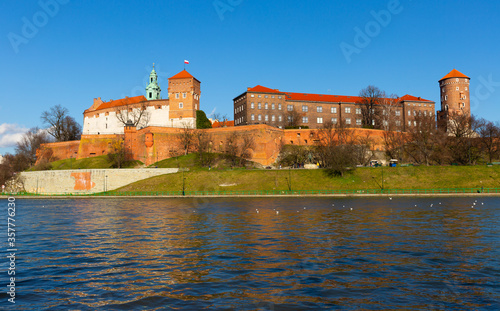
432, 205
482, 203
277, 212
390, 198
351, 208
304, 207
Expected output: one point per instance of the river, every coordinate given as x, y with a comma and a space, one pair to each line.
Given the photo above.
315, 253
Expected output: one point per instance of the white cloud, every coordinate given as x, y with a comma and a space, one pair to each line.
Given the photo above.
10, 134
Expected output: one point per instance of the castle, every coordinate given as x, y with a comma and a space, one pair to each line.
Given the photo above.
150, 126
178, 110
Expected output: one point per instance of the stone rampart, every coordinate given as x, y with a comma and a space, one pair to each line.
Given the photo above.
86, 181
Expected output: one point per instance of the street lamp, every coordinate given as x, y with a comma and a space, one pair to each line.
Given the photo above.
183, 183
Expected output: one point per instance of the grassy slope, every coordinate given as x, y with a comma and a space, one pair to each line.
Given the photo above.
421, 177
88, 163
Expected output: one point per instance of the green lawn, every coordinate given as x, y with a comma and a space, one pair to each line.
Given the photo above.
87, 163
418, 177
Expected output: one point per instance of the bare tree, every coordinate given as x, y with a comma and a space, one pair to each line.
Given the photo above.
248, 144
60, 125
186, 138
232, 148
371, 96
385, 114
292, 118
462, 130
116, 154
423, 139
29, 143
363, 149
202, 142
137, 115
489, 135
335, 148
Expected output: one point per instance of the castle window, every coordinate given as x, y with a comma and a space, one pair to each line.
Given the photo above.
273, 118
181, 105
409, 123
259, 117
252, 95
414, 123
358, 111
272, 106
334, 120
305, 119
151, 79
252, 117
289, 107
409, 113
446, 108
260, 96
176, 95
457, 88
266, 96
304, 108
398, 113
252, 105
319, 109
279, 97
347, 110
373, 122
446, 97
466, 88
358, 121
272, 96
259, 105
333, 109
266, 118
184, 95
150, 95
266, 106
398, 123
425, 113
279, 106
347, 121
279, 118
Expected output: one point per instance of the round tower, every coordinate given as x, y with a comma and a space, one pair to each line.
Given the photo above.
455, 99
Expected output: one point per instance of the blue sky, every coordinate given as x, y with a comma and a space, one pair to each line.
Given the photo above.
68, 52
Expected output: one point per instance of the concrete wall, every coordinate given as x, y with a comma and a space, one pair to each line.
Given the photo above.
86, 181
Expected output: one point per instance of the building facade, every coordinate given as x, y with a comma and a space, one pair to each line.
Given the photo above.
262, 105
178, 110
455, 99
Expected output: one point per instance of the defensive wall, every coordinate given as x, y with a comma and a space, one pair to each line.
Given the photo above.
86, 181
152, 144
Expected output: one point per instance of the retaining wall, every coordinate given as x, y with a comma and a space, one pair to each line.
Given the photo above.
86, 181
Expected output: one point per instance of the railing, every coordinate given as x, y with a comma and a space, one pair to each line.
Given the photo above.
272, 192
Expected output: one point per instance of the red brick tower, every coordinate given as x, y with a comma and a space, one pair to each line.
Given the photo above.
455, 99
184, 99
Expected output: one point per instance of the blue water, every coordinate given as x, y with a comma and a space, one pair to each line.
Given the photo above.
221, 254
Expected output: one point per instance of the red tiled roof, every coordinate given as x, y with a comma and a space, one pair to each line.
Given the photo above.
454, 74
263, 89
220, 124
322, 98
122, 102
182, 75
413, 98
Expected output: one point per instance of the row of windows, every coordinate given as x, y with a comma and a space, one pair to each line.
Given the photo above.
266, 106
266, 118
177, 95
265, 96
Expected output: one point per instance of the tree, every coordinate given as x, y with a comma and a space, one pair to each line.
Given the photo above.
138, 115
371, 96
423, 140
186, 138
462, 129
247, 146
232, 148
29, 143
202, 122
116, 154
202, 141
335, 148
60, 125
222, 119
292, 118
489, 134
385, 114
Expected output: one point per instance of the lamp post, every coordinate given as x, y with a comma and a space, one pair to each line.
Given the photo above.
183, 183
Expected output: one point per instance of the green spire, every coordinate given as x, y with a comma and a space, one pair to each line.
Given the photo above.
153, 90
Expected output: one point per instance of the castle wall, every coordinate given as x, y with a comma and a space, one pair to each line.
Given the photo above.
61, 150
96, 145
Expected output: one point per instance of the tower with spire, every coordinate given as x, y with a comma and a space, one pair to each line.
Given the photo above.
153, 90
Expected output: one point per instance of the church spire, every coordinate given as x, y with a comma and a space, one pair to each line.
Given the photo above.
153, 90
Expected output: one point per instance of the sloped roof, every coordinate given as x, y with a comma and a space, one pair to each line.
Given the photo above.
322, 98
182, 75
454, 74
263, 89
220, 124
122, 102
413, 98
